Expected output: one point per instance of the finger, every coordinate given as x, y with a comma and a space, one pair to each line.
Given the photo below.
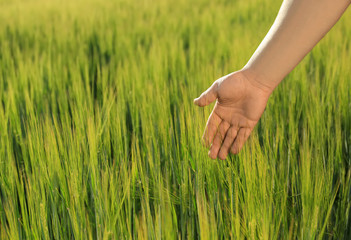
227, 143
211, 128
240, 139
222, 129
208, 96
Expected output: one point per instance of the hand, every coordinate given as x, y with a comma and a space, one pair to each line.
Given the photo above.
240, 103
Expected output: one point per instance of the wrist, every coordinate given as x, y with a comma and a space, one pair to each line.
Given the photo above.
258, 80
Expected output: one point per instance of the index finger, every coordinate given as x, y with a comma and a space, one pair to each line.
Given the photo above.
211, 128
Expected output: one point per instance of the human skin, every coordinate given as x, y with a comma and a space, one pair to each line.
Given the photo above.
242, 95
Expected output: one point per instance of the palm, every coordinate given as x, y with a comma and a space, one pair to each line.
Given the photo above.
238, 108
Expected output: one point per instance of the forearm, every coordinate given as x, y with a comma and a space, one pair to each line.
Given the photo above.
299, 25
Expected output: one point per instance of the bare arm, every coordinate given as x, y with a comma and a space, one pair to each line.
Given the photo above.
299, 26
242, 95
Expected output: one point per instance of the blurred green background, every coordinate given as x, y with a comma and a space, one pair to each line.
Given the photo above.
99, 138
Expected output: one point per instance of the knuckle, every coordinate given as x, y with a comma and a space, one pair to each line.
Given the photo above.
223, 128
216, 85
212, 125
217, 140
233, 133
221, 136
230, 133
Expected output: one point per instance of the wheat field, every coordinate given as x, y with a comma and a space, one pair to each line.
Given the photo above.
99, 137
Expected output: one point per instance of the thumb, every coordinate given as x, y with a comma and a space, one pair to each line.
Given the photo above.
208, 96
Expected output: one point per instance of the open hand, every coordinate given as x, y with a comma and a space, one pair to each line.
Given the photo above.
240, 104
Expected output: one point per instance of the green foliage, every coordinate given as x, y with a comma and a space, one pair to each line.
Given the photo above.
99, 138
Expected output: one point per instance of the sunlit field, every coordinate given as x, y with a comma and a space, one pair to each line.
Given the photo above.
100, 139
